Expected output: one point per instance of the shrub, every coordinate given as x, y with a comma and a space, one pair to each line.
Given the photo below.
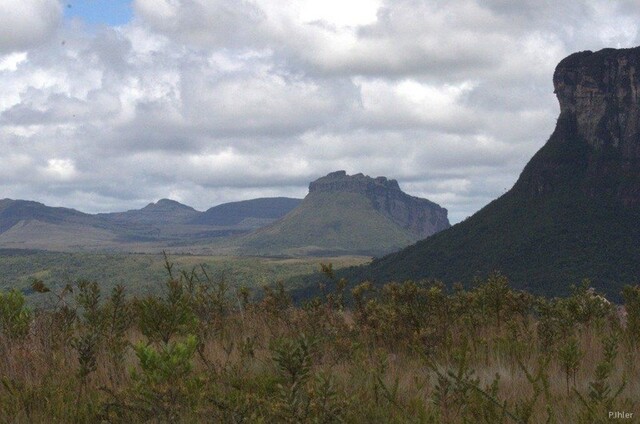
15, 316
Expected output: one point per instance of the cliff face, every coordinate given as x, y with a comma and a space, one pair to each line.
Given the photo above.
596, 143
420, 216
574, 211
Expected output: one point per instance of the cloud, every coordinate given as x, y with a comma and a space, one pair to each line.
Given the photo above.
220, 23
213, 101
27, 23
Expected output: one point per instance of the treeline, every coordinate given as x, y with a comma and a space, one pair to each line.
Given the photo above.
400, 353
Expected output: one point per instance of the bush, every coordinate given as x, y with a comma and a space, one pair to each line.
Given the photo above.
15, 316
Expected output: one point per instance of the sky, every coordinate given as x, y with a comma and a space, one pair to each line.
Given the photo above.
108, 105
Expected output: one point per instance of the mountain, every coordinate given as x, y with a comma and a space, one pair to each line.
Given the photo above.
165, 223
164, 211
28, 224
14, 211
574, 211
253, 213
349, 214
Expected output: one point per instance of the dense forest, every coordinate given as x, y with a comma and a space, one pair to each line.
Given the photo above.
397, 353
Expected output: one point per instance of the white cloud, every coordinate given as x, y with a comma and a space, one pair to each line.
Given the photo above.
26, 23
11, 61
60, 169
220, 100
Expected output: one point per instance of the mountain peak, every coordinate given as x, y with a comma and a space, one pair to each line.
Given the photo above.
167, 205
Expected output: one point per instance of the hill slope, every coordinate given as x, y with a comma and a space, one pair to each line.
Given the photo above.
14, 211
574, 211
349, 214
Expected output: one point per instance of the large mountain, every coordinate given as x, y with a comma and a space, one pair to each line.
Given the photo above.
575, 209
349, 214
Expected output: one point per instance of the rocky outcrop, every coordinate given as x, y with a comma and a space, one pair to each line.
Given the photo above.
419, 216
596, 144
601, 92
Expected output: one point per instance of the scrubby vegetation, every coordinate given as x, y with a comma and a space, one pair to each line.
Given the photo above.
401, 353
145, 273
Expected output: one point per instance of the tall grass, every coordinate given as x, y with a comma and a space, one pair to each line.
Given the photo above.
401, 353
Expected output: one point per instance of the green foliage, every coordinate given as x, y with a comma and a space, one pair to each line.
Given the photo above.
164, 387
569, 356
631, 295
586, 306
86, 345
140, 273
293, 359
15, 316
161, 319
118, 315
602, 396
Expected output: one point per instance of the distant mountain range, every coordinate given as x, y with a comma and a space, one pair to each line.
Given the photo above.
341, 215
166, 223
575, 209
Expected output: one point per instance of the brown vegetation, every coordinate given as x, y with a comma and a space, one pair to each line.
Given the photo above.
403, 353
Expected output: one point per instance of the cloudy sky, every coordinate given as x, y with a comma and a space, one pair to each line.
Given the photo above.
107, 105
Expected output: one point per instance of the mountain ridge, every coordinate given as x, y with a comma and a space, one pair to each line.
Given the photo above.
165, 223
232, 213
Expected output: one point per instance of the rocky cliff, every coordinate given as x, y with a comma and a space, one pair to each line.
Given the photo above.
574, 211
596, 143
420, 216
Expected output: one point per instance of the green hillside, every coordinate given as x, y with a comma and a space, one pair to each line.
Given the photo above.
329, 223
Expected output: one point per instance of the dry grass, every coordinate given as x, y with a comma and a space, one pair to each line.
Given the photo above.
351, 366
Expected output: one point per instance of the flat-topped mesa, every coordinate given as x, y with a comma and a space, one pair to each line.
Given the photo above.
595, 147
418, 215
358, 183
